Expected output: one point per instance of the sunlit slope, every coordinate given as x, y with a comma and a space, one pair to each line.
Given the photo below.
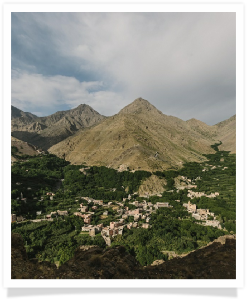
139, 136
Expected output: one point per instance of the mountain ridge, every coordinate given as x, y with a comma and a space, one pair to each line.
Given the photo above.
48, 130
142, 137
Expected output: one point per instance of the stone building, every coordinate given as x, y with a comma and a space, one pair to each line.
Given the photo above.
62, 213
13, 217
84, 209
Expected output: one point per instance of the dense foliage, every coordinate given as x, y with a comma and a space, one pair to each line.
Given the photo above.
172, 229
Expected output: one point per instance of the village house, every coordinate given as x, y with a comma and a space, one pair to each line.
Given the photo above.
38, 213
134, 212
145, 225
87, 219
191, 208
196, 216
214, 223
203, 213
13, 218
20, 218
84, 209
86, 228
62, 213
129, 225
162, 205
98, 202
137, 217
79, 214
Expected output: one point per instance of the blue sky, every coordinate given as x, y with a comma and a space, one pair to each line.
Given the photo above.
182, 63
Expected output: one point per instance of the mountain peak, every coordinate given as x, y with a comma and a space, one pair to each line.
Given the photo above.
138, 106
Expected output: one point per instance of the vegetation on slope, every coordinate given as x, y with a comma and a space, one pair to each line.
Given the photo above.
172, 229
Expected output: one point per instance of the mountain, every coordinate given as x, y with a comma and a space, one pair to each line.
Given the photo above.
19, 147
140, 137
226, 133
17, 113
44, 132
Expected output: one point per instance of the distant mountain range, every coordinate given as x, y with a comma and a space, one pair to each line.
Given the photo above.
44, 132
138, 137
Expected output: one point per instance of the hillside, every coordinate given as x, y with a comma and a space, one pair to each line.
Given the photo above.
19, 147
216, 261
139, 136
46, 131
226, 132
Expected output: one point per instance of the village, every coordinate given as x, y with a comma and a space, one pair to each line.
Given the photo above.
136, 217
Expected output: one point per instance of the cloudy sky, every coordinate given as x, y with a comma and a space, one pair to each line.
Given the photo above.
182, 63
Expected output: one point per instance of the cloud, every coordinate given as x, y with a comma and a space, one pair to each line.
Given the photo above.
180, 62
32, 91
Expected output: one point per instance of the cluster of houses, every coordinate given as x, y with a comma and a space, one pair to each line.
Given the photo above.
202, 215
142, 212
15, 218
214, 167
191, 194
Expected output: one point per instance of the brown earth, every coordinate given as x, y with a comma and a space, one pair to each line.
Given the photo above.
141, 137
49, 130
23, 148
216, 261
152, 186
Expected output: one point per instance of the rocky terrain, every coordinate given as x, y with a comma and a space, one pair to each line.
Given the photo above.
22, 148
152, 186
46, 131
142, 137
215, 261
139, 136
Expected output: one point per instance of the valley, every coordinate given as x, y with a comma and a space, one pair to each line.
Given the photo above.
155, 185
103, 207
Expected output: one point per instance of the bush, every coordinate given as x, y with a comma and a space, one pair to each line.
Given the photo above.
95, 261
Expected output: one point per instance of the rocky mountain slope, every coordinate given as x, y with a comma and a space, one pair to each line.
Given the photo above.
226, 132
216, 261
152, 186
141, 137
20, 147
46, 131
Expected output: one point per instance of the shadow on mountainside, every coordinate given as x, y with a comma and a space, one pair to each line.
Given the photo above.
42, 142
216, 261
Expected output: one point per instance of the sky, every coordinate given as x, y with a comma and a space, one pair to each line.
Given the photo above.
182, 63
